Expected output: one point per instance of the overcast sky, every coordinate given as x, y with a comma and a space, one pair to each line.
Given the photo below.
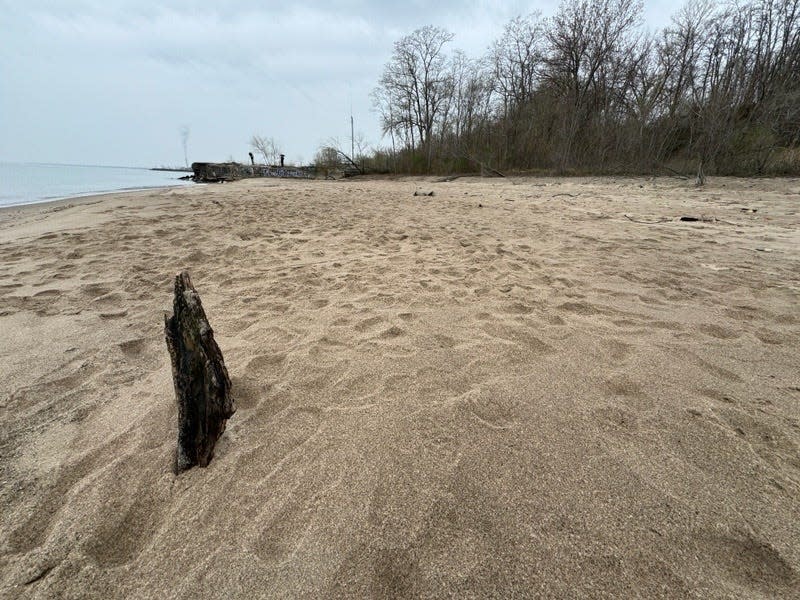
111, 82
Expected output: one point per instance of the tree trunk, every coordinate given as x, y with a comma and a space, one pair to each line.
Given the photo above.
701, 177
202, 385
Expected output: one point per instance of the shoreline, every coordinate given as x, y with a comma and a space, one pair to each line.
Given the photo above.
82, 199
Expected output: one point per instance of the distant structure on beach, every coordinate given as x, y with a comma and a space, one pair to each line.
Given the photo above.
231, 171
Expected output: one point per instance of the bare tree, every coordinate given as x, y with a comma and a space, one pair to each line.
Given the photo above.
327, 159
589, 89
588, 39
415, 86
517, 58
267, 147
331, 153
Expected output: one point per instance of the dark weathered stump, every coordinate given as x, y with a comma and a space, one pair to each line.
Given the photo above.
202, 385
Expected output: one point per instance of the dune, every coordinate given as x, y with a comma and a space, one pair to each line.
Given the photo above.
507, 389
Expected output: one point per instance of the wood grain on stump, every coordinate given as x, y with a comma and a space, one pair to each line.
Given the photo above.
202, 385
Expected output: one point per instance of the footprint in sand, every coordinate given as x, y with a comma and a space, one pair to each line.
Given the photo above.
622, 385
767, 336
32, 531
95, 290
719, 332
580, 308
283, 533
133, 347
128, 510
265, 364
248, 391
628, 390
618, 350
749, 562
114, 314
47, 294
518, 335
517, 308
717, 395
768, 441
494, 409
369, 323
392, 332
443, 341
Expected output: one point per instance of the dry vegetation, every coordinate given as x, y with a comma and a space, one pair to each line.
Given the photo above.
589, 90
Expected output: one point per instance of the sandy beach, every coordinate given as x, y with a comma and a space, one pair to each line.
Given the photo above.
509, 389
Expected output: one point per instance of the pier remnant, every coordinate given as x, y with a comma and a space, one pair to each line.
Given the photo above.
233, 171
202, 385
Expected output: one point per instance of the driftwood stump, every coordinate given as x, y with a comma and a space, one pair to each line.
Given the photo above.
202, 385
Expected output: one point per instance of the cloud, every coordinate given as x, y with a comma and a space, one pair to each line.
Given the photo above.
112, 81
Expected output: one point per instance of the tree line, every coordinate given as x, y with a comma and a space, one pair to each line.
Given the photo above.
591, 90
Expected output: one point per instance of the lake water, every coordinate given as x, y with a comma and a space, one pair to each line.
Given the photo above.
30, 183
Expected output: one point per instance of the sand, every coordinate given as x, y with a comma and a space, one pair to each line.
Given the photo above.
508, 389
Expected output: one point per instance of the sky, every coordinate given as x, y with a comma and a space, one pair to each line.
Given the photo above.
113, 82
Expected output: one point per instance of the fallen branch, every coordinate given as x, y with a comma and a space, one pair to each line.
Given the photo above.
682, 219
491, 170
659, 222
678, 174
484, 166
705, 219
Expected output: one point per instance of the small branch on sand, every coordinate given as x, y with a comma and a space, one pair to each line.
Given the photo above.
39, 575
659, 222
705, 219
683, 219
564, 194
726, 222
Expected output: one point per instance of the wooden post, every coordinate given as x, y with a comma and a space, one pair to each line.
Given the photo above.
202, 385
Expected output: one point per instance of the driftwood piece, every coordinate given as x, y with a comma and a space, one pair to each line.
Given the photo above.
675, 173
684, 219
419, 193
659, 222
202, 385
